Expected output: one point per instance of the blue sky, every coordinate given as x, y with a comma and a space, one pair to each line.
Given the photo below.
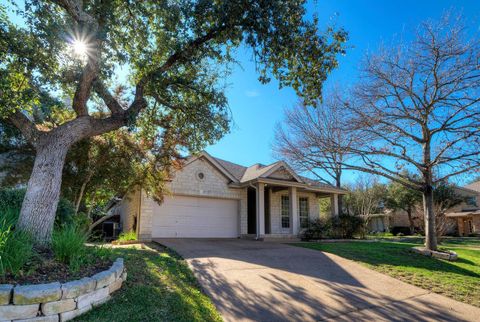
256, 108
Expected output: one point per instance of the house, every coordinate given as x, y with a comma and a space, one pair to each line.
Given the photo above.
214, 198
467, 214
462, 219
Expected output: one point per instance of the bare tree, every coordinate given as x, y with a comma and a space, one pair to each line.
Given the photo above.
366, 197
307, 135
416, 108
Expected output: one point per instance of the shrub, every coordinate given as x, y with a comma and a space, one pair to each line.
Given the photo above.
82, 221
68, 245
405, 231
342, 226
16, 248
11, 199
65, 213
347, 226
317, 229
127, 236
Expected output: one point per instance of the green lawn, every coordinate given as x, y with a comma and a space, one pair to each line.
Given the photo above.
459, 280
159, 287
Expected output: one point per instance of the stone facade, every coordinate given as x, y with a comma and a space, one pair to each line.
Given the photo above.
276, 211
59, 302
200, 178
129, 210
187, 183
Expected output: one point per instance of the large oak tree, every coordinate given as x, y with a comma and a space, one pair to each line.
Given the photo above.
169, 56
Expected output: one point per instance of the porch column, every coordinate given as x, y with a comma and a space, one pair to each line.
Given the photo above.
260, 210
292, 196
461, 226
334, 204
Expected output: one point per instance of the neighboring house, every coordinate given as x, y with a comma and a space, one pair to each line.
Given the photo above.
380, 222
467, 215
462, 219
213, 198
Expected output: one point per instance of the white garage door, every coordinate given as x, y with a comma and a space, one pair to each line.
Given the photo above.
194, 217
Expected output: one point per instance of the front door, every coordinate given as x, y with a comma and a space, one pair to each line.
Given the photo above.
467, 226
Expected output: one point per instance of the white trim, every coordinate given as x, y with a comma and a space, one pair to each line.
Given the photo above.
213, 162
285, 183
278, 166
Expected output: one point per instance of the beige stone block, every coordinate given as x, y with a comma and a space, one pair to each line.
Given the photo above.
104, 278
93, 297
30, 294
67, 316
5, 293
13, 312
56, 307
50, 318
115, 286
76, 288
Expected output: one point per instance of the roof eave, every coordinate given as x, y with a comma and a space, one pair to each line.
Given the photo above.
289, 184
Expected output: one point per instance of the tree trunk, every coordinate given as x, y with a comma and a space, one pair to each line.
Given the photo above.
340, 197
39, 206
410, 221
429, 214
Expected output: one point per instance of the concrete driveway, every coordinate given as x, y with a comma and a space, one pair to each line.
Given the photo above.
270, 281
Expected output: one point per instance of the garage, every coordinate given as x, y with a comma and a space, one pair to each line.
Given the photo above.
195, 217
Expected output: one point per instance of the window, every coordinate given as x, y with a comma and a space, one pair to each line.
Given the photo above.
471, 201
285, 212
303, 212
200, 176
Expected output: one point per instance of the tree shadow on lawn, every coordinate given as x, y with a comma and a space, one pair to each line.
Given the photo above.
159, 287
394, 254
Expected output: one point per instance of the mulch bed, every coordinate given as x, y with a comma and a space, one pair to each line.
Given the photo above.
126, 242
45, 269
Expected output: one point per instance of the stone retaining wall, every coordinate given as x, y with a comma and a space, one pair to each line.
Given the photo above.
56, 302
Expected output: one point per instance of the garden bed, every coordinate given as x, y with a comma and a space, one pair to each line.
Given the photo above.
446, 255
60, 301
44, 268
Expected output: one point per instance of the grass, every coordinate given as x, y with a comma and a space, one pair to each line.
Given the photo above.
458, 280
159, 287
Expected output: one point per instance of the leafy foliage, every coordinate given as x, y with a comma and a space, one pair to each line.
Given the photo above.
68, 245
16, 247
11, 203
127, 236
341, 226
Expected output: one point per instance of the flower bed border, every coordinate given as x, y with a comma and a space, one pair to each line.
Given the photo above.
56, 301
450, 256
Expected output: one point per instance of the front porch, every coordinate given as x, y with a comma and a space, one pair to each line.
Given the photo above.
468, 222
277, 209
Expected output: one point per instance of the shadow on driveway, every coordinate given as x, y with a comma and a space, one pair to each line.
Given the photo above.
268, 281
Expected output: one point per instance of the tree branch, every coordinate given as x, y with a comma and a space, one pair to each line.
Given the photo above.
26, 126
111, 102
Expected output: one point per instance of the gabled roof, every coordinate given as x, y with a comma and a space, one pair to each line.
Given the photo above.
239, 174
474, 186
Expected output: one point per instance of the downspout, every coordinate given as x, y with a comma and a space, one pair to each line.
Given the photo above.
257, 235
